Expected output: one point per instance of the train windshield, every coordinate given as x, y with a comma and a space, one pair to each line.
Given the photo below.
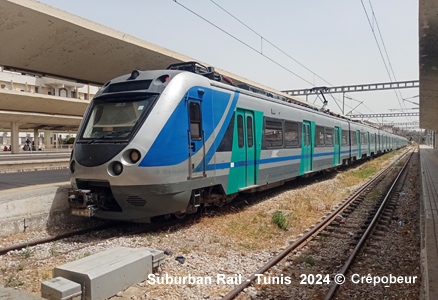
116, 119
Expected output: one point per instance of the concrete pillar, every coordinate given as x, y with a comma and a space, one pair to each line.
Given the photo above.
47, 139
15, 143
36, 139
434, 139
55, 137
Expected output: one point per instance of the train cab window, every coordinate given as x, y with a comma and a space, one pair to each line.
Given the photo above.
195, 121
291, 134
328, 136
344, 137
240, 131
319, 136
115, 118
273, 134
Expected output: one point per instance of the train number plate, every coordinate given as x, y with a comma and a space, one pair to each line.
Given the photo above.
87, 212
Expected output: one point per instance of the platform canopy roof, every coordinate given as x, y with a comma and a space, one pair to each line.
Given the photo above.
40, 39
38, 111
43, 39
428, 39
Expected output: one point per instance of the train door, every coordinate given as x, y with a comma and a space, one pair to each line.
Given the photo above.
375, 143
250, 148
337, 145
244, 154
196, 140
246, 150
380, 143
307, 149
359, 144
369, 144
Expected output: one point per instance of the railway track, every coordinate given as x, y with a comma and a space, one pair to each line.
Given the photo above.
238, 203
196, 243
366, 211
123, 229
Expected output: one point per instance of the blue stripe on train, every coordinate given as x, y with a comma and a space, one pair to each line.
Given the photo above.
170, 146
227, 165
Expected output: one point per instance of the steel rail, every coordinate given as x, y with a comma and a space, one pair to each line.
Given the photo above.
53, 238
318, 227
368, 231
149, 228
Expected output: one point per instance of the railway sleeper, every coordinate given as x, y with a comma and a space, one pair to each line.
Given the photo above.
371, 251
379, 233
386, 214
384, 222
382, 228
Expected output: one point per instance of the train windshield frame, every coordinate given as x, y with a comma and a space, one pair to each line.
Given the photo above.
118, 118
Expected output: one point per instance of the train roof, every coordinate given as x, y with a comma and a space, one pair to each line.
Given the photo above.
156, 81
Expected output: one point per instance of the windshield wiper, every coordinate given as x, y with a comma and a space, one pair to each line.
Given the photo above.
109, 135
115, 133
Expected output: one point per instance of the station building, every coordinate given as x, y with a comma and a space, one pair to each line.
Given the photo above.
31, 86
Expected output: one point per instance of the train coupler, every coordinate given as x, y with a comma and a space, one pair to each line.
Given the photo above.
82, 203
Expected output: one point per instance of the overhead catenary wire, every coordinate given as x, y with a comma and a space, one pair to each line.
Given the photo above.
286, 54
387, 55
377, 42
276, 47
269, 42
242, 42
263, 39
387, 61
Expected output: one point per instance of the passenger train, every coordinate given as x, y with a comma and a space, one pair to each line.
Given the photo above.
167, 142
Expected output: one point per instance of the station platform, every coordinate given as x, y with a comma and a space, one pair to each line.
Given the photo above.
34, 160
429, 221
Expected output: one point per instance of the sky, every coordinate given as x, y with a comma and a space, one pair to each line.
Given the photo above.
283, 44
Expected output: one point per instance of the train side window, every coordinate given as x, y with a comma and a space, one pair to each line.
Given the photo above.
249, 130
273, 134
195, 121
240, 131
344, 137
227, 141
329, 136
291, 134
363, 137
353, 137
319, 136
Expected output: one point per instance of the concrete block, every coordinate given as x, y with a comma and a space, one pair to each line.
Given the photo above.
104, 274
60, 288
157, 257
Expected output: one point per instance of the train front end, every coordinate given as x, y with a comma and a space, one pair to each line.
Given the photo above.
110, 176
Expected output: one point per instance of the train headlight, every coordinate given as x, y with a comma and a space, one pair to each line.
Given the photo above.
72, 166
115, 168
134, 156
131, 157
